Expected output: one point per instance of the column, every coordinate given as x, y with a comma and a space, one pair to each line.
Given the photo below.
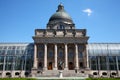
66, 58
87, 57
76, 57
99, 66
117, 66
45, 57
35, 56
55, 57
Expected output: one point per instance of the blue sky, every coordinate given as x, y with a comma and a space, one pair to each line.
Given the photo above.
19, 18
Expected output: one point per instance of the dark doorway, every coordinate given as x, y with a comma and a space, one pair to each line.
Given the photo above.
40, 65
81, 64
50, 66
71, 66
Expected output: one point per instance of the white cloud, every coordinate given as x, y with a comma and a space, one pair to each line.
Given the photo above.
88, 11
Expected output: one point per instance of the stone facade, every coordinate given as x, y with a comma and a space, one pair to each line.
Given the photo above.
60, 46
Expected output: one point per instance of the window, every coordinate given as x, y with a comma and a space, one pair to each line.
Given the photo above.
50, 54
71, 55
61, 27
112, 63
40, 55
60, 54
94, 62
103, 65
80, 55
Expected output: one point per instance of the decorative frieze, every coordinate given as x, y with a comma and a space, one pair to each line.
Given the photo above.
60, 39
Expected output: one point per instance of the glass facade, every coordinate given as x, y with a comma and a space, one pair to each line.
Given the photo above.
19, 56
103, 56
16, 56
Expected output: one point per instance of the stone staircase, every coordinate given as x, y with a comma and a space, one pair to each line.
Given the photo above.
55, 73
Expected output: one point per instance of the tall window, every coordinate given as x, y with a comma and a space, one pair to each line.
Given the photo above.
80, 55
71, 53
93, 62
40, 55
118, 61
112, 63
60, 53
103, 65
50, 54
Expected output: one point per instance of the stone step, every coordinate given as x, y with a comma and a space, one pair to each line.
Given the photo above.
65, 73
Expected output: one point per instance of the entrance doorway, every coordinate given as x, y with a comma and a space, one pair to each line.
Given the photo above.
50, 66
71, 66
40, 65
81, 64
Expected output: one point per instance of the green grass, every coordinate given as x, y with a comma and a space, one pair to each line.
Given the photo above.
59, 79
17, 79
103, 79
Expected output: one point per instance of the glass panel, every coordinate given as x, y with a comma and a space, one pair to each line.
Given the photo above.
103, 65
28, 63
18, 63
94, 64
112, 62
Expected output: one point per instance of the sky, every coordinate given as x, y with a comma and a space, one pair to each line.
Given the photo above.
19, 18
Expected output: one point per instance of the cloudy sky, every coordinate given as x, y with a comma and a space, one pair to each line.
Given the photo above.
19, 18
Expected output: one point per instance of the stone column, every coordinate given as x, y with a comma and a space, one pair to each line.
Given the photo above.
76, 57
45, 57
55, 57
87, 57
117, 66
35, 57
66, 57
99, 66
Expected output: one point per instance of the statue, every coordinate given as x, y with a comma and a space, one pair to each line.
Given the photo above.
60, 64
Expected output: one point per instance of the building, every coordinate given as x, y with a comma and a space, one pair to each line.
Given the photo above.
60, 47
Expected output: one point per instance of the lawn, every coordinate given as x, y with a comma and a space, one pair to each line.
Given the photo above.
17, 79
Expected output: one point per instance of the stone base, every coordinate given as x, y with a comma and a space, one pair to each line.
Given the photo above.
87, 68
33, 72
65, 68
45, 68
55, 68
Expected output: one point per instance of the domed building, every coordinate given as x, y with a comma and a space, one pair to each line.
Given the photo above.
60, 49
60, 46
